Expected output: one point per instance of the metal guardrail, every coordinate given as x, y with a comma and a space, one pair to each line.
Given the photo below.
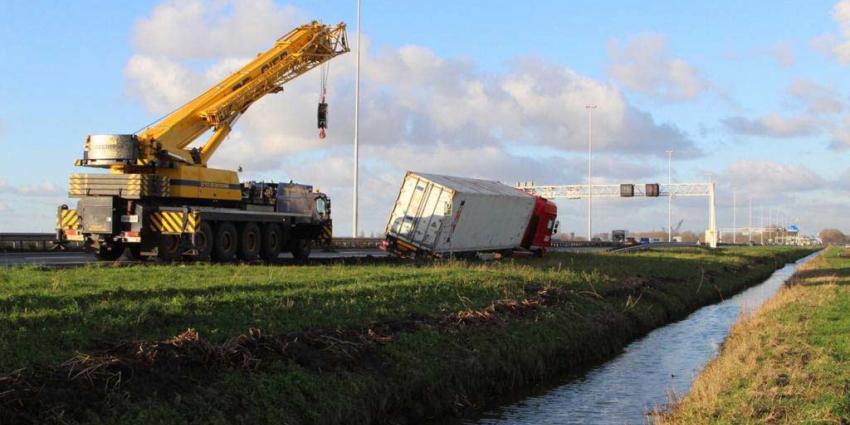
583, 244
47, 241
27, 241
356, 243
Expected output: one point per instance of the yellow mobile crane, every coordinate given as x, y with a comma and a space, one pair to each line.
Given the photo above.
161, 199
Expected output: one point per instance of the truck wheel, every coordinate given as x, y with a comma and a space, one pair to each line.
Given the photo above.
225, 243
204, 242
249, 241
109, 251
135, 251
272, 242
170, 247
301, 249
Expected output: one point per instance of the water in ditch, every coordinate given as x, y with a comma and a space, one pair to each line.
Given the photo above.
644, 376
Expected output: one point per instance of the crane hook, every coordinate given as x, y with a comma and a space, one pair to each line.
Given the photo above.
323, 118
323, 106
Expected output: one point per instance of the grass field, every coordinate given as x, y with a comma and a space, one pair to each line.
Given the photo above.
332, 344
787, 364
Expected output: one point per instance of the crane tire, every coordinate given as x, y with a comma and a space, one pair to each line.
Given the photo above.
250, 240
272, 242
301, 249
169, 247
204, 242
109, 251
225, 242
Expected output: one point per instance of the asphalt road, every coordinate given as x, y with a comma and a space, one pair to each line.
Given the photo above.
76, 258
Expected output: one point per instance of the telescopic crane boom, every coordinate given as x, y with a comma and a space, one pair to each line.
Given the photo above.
168, 140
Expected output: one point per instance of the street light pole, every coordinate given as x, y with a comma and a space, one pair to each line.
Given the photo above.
734, 215
669, 196
750, 221
590, 109
356, 129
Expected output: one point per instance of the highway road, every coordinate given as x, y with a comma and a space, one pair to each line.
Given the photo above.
79, 258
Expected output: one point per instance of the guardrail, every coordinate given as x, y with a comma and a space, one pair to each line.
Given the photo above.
27, 241
356, 243
47, 242
583, 244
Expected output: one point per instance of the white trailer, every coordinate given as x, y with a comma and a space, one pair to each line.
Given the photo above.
440, 215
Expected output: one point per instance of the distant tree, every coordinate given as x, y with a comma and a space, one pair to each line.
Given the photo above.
832, 236
688, 236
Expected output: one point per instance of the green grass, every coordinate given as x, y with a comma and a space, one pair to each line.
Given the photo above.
789, 363
48, 316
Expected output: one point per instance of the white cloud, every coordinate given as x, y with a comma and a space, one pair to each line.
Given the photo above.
833, 46
642, 65
841, 135
196, 29
841, 15
817, 98
767, 178
782, 53
45, 188
773, 125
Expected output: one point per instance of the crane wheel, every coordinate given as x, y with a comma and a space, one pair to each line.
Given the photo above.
204, 242
225, 242
301, 249
170, 247
272, 242
134, 251
109, 251
249, 241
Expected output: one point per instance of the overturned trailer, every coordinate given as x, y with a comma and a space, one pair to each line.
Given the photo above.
438, 215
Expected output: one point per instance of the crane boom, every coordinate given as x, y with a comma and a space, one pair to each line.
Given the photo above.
167, 141
297, 52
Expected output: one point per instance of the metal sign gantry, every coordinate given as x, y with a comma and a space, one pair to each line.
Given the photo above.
631, 190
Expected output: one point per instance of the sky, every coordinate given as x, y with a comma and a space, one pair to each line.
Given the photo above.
753, 95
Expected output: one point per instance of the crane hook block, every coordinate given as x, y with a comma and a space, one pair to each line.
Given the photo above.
323, 115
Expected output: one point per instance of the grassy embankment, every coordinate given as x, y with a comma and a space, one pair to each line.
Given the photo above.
332, 344
789, 363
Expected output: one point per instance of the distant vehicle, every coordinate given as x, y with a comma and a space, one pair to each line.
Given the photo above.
439, 216
596, 239
618, 236
677, 239
656, 240
644, 240
631, 241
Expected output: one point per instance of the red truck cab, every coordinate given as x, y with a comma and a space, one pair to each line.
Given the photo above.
542, 225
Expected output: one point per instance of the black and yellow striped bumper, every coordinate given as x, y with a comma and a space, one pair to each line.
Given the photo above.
174, 222
68, 219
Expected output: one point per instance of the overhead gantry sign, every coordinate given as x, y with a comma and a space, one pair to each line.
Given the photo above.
633, 190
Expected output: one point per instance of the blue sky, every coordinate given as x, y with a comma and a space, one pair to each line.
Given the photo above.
71, 69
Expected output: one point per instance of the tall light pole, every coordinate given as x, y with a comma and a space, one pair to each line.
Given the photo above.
750, 221
590, 109
356, 128
734, 214
669, 196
